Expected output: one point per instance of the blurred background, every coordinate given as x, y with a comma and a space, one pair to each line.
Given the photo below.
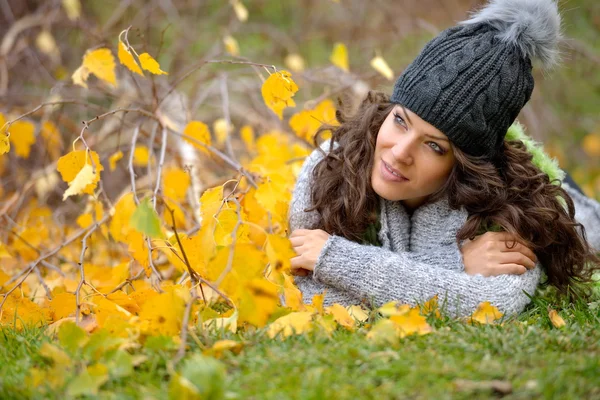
43, 43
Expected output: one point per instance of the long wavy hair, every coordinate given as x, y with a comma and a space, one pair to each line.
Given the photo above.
508, 192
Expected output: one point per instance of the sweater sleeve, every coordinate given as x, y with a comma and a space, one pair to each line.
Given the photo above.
587, 212
379, 275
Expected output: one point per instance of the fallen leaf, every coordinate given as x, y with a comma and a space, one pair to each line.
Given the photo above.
557, 320
151, 65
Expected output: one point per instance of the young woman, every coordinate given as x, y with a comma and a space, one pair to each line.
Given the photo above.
423, 194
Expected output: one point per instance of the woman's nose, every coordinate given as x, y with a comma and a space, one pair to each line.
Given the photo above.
403, 151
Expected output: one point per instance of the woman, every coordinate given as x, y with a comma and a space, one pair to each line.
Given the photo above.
427, 177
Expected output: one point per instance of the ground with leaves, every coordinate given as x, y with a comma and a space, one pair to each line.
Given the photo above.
523, 358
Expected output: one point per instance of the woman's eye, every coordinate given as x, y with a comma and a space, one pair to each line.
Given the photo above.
436, 147
399, 120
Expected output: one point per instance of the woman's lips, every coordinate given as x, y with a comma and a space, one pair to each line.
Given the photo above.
387, 175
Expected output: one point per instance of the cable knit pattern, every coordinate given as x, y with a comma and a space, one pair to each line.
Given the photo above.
419, 258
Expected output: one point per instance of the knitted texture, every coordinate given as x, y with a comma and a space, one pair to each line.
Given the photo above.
472, 80
418, 259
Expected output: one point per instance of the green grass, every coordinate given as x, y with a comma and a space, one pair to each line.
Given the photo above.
537, 360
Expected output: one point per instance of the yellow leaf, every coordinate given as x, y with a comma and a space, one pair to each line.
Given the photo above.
358, 313
231, 45
163, 313
126, 58
221, 346
84, 178
379, 64
72, 8
54, 353
138, 249
3, 254
94, 212
384, 332
22, 311
293, 295
279, 252
557, 320
22, 136
290, 324
257, 302
141, 155
317, 302
411, 322
240, 10
4, 144
70, 167
222, 130
591, 144
278, 90
151, 65
62, 305
247, 134
114, 159
221, 324
176, 183
306, 123
295, 62
121, 214
274, 190
80, 76
341, 316
101, 63
339, 56
52, 138
198, 131
431, 306
393, 308
486, 313
47, 45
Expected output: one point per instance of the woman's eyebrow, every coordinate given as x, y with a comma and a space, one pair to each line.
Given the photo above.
406, 117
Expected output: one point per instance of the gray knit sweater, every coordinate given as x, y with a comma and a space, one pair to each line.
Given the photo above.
419, 257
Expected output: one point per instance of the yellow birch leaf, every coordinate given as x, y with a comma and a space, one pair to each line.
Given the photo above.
22, 136
4, 144
221, 324
486, 313
381, 66
151, 65
72, 8
393, 308
80, 76
94, 212
3, 254
241, 12
339, 56
274, 190
70, 167
279, 252
141, 155
247, 134
293, 295
384, 332
306, 122
231, 45
176, 183
114, 159
126, 58
222, 130
290, 324
341, 316
84, 178
411, 322
101, 63
295, 62
431, 306
198, 131
278, 90
257, 302
139, 250
121, 214
557, 320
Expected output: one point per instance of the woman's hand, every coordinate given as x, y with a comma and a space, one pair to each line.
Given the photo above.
496, 253
307, 243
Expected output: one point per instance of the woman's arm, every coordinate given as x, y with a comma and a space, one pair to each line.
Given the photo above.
379, 275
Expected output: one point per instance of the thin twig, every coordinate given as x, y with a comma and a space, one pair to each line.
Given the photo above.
184, 328
163, 148
136, 132
82, 272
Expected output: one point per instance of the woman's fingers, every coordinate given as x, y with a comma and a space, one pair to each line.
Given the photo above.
519, 247
515, 257
512, 269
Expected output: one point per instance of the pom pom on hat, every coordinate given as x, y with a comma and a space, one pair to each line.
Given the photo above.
533, 26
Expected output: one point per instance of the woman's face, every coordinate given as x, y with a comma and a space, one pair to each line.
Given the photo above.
417, 151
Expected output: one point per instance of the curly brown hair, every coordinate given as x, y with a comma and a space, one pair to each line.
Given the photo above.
508, 192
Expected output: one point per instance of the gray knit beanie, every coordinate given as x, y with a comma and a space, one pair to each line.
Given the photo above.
472, 80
